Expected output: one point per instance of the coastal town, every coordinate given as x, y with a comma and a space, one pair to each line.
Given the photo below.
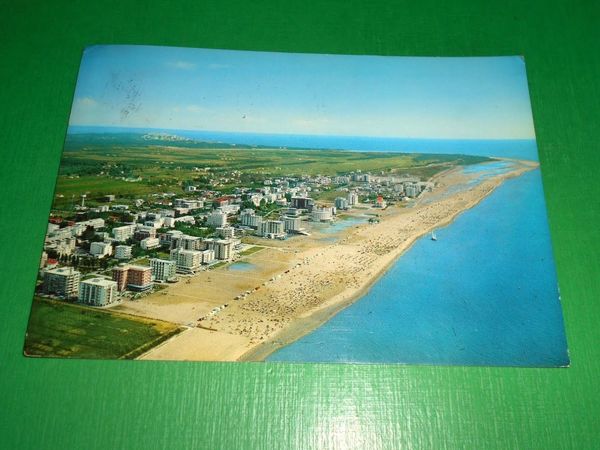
165, 248
113, 249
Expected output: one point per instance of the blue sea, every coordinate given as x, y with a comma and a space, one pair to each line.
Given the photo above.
485, 293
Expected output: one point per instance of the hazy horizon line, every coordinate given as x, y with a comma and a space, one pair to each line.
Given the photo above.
301, 134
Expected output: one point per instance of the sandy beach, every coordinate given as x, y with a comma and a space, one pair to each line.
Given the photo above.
291, 287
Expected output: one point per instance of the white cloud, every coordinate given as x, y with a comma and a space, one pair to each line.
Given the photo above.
85, 102
195, 108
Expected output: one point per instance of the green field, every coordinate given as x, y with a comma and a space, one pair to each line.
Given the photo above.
251, 250
95, 164
58, 329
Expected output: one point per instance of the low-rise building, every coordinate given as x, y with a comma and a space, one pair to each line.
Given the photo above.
143, 232
97, 292
380, 202
169, 222
62, 281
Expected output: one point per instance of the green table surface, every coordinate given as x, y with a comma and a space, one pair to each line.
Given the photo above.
62, 404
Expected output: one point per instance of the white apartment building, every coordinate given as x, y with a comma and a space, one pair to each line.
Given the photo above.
52, 227
100, 249
352, 198
169, 222
217, 219
249, 218
123, 233
123, 251
341, 203
187, 242
186, 261
223, 248
291, 224
208, 256
150, 243
63, 281
162, 269
412, 190
97, 292
186, 219
226, 232
322, 214
271, 229
168, 237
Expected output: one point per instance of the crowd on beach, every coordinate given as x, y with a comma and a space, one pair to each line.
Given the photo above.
338, 271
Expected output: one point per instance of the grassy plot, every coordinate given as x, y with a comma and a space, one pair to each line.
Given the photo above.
58, 329
170, 165
251, 250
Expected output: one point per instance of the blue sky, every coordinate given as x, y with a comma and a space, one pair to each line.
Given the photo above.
221, 90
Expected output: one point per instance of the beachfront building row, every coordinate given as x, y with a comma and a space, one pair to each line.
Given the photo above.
272, 229
62, 281
222, 248
190, 261
322, 214
133, 278
191, 252
97, 292
292, 224
163, 269
66, 282
341, 203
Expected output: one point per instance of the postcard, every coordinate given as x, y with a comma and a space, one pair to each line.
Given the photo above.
217, 205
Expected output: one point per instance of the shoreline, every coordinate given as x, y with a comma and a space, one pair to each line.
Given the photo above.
310, 321
303, 284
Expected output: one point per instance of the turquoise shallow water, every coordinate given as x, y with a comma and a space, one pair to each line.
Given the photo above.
484, 293
241, 266
337, 226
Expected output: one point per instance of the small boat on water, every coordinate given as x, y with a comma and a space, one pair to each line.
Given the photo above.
433, 236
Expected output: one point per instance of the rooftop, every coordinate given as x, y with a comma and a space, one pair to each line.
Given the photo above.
62, 271
103, 282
